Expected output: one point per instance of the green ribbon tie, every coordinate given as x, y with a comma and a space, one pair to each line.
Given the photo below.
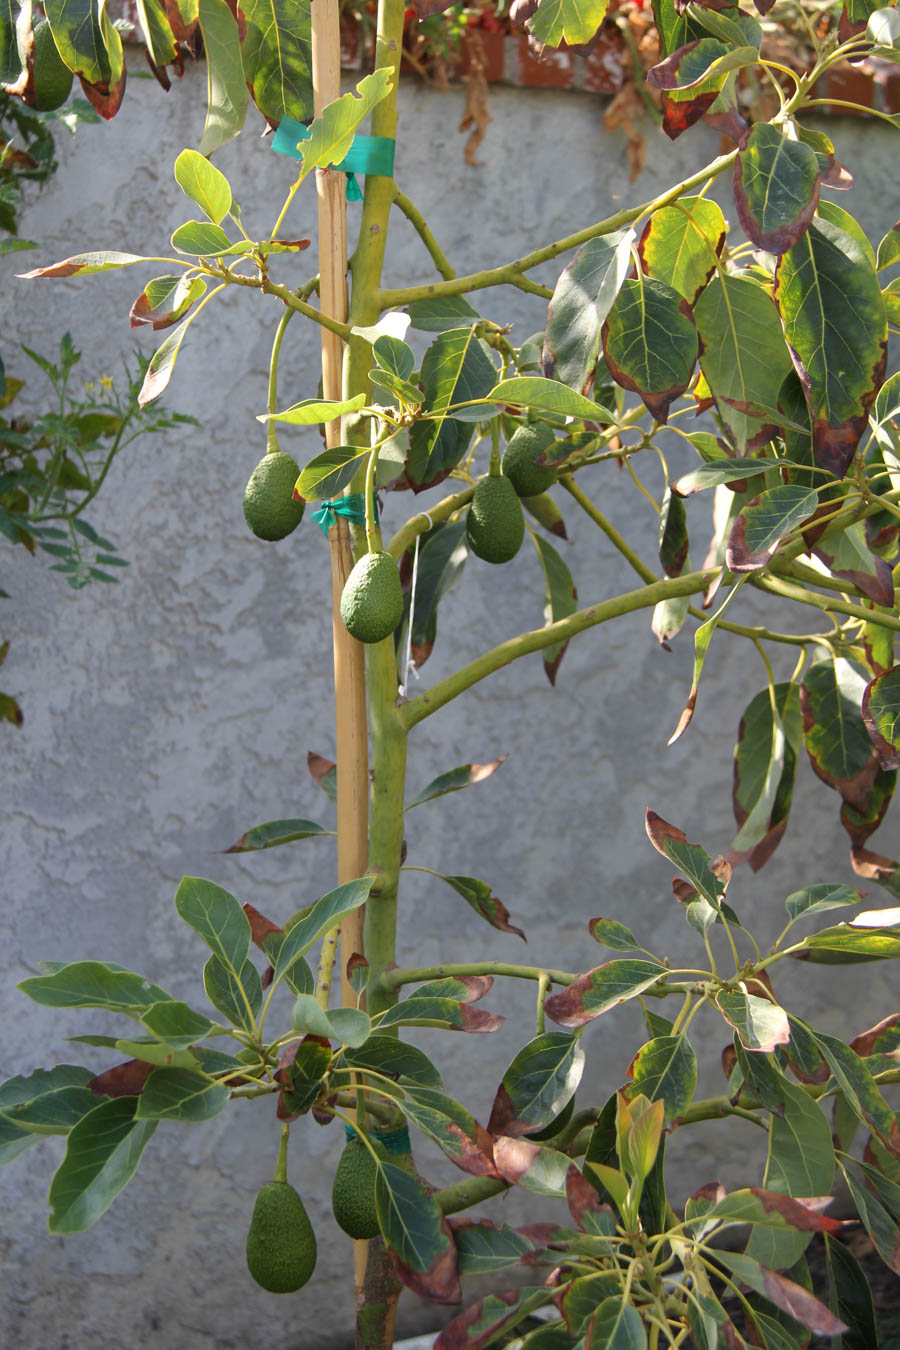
352, 508
367, 154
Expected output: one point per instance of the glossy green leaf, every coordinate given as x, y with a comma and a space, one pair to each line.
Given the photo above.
446, 1013
761, 1025
237, 995
102, 1154
415, 1231
22, 1089
821, 897
571, 21
560, 599
665, 1069
157, 1053
350, 1026
162, 363
217, 918
533, 1167
179, 1094
442, 558
276, 832
849, 1296
582, 298
385, 1055
204, 184
680, 244
539, 1082
93, 984
200, 238
776, 187
331, 133
158, 36
765, 764
277, 58
743, 356
881, 715
549, 396
834, 319
329, 472
227, 95
177, 1024
611, 933
316, 411
480, 896
484, 1248
79, 37
324, 915
52, 1112
762, 527
878, 1222
456, 779
834, 733
600, 989
650, 343
861, 1091
456, 367
889, 246
843, 945
446, 311
672, 539
165, 300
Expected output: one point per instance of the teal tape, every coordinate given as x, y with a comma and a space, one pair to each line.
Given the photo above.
397, 1141
367, 154
352, 508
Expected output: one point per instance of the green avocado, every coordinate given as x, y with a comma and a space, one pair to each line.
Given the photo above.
269, 506
281, 1244
353, 1191
495, 525
372, 599
529, 479
52, 78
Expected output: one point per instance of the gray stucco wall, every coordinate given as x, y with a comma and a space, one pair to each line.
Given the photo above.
166, 715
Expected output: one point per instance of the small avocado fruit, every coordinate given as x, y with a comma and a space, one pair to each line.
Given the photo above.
52, 78
353, 1190
495, 524
269, 506
372, 598
525, 445
281, 1244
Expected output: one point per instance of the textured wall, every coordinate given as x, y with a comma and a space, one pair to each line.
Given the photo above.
166, 715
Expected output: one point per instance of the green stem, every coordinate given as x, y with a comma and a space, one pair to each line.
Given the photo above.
293, 301
281, 1164
776, 586
272, 445
396, 978
510, 274
417, 525
421, 227
562, 630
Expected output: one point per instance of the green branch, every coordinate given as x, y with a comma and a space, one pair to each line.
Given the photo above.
561, 631
395, 979
511, 274
775, 586
417, 525
422, 229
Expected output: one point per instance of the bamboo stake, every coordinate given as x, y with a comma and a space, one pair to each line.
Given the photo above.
349, 664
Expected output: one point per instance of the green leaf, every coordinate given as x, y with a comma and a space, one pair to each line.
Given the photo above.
532, 1166
848, 555
93, 984
351, 1026
51, 1112
102, 1154
823, 896
460, 1136
611, 933
700, 67
85, 264
21, 1090
329, 472
479, 895
456, 368
164, 301
483, 1248
315, 411
447, 1013
482, 1323
447, 311
791, 1298
217, 918
180, 1094
834, 319
79, 37
200, 238
665, 1069
616, 1325
13, 245
276, 53
324, 915
881, 715
395, 1059
238, 995
765, 765
276, 832
204, 184
394, 355
415, 1231
456, 779
227, 95
861, 1091
331, 133
157, 1053
849, 1296
582, 298
158, 36
539, 1082
762, 527
844, 945
834, 733
761, 1025
442, 558
879, 1224
549, 396
743, 356
680, 244
889, 247
776, 187
162, 363
601, 989
650, 343
570, 21
560, 599
177, 1024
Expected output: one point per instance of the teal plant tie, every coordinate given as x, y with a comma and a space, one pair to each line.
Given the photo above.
397, 1141
367, 154
352, 508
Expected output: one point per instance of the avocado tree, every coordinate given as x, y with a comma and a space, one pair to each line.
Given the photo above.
779, 333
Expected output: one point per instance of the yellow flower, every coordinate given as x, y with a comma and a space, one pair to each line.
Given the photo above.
106, 381
89, 388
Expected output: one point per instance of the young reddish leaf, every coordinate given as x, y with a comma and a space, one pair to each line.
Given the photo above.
531, 1166
881, 714
835, 322
454, 780
600, 989
485, 1320
123, 1080
776, 187
680, 244
650, 343
260, 926
323, 772
791, 1298
582, 1197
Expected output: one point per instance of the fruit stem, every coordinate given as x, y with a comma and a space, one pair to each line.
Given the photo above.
373, 532
272, 446
495, 448
281, 1164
